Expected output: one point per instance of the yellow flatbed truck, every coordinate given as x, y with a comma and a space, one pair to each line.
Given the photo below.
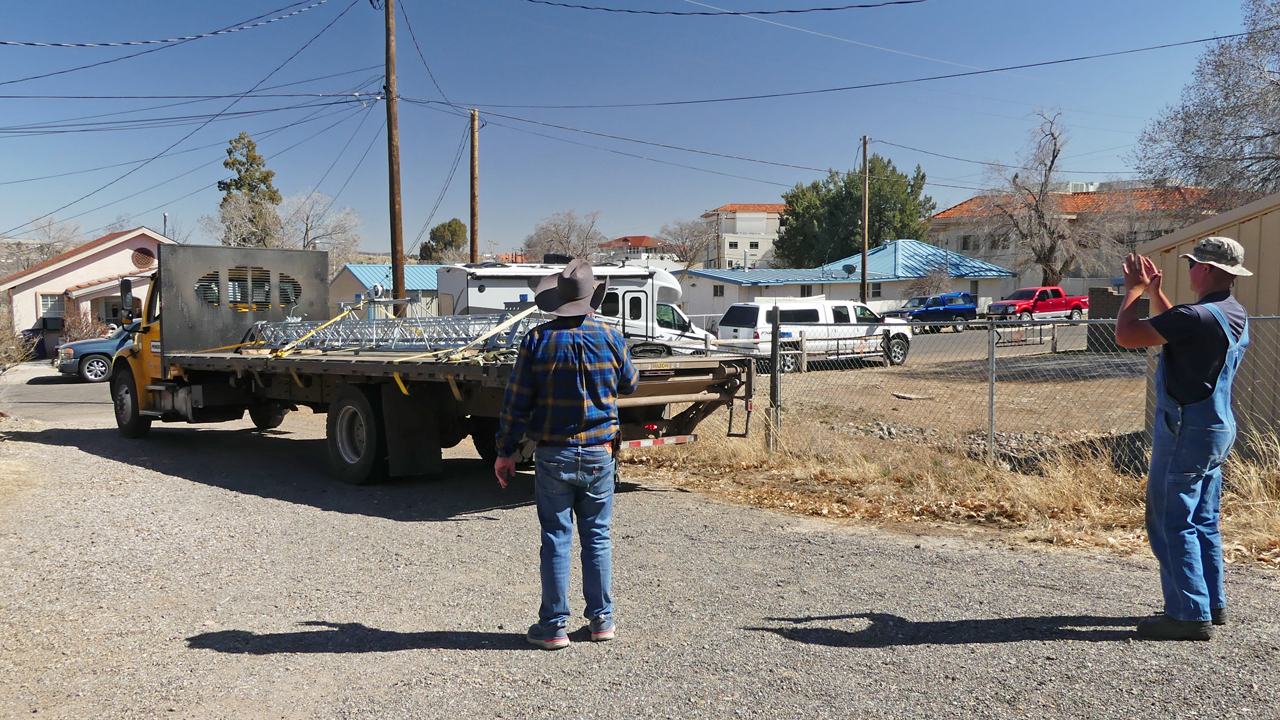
225, 331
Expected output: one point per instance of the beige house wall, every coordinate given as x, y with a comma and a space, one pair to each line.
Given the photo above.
1256, 226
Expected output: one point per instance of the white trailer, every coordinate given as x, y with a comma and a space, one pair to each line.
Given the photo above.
640, 301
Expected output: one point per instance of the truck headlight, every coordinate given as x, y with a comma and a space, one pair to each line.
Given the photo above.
66, 353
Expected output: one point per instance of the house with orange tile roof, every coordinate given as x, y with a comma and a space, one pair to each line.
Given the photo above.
745, 235
1135, 213
82, 280
637, 247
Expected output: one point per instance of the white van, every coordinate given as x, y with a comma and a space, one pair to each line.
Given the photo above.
640, 301
833, 329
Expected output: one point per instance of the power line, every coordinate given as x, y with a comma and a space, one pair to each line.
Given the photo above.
336, 158
130, 43
152, 123
457, 159
360, 162
886, 83
193, 132
797, 11
264, 134
405, 12
138, 54
1002, 165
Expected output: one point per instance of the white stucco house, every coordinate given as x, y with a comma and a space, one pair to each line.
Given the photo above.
890, 268
745, 235
82, 280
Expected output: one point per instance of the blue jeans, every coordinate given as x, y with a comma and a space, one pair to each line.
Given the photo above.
573, 481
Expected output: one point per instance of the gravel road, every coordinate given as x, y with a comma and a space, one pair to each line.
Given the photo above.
217, 572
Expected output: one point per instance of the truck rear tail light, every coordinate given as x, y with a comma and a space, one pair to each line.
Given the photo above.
650, 427
755, 335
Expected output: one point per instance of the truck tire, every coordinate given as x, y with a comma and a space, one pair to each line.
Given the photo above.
124, 396
95, 368
896, 349
357, 447
957, 323
1076, 314
1024, 316
267, 417
483, 436
789, 363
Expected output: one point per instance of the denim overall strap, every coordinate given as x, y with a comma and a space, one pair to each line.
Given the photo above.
1184, 487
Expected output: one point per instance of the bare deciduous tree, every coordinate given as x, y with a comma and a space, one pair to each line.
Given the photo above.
49, 237
1223, 133
120, 224
1024, 210
244, 222
689, 240
565, 233
312, 223
934, 282
15, 348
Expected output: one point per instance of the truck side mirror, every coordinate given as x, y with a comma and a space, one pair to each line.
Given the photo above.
128, 305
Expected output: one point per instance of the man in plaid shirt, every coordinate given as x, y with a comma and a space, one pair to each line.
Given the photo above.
562, 395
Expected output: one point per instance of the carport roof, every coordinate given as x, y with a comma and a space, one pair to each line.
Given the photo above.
416, 277
897, 260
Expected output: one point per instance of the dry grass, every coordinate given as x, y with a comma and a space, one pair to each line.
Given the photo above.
1073, 497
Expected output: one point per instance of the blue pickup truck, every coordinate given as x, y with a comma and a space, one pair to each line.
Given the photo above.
953, 307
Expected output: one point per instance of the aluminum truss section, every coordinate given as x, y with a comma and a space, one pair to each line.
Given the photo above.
411, 334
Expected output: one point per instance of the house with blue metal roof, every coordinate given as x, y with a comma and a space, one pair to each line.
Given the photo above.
890, 269
355, 282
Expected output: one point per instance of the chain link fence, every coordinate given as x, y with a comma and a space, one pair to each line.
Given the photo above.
1010, 393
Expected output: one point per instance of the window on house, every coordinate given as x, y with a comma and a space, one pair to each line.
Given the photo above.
973, 288
875, 290
53, 305
965, 241
806, 291
733, 244
717, 291
753, 245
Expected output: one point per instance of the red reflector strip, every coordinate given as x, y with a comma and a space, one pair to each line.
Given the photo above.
669, 440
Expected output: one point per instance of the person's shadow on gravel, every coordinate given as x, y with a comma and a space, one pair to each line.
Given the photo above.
887, 630
352, 638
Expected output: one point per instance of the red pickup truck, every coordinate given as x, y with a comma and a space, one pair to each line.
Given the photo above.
1039, 303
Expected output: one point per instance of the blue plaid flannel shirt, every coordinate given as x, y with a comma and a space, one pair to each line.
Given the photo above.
565, 384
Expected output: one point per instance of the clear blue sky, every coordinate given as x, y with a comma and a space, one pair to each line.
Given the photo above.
510, 52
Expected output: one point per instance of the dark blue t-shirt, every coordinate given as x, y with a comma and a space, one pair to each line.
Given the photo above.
1196, 347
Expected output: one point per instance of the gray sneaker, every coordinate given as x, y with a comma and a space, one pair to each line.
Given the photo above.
601, 628
547, 638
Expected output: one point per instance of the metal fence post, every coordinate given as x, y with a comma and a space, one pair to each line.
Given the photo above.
775, 374
991, 392
804, 351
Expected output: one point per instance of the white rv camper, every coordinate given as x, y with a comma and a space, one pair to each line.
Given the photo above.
640, 301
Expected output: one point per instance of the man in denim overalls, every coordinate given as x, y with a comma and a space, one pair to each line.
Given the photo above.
1204, 343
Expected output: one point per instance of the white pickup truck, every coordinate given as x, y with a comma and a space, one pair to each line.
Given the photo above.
833, 330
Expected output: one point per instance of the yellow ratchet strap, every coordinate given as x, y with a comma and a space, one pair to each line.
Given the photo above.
400, 382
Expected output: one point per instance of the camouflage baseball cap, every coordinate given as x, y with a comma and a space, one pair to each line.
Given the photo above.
1221, 252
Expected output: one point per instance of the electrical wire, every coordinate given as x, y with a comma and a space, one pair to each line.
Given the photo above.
278, 68
360, 162
211, 97
138, 54
1002, 165
675, 13
404, 11
130, 43
886, 83
457, 160
158, 122
263, 135
336, 158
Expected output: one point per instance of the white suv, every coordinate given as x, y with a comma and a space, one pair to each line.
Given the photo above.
833, 329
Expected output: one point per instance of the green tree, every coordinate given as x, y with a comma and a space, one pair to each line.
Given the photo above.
444, 242
823, 220
247, 213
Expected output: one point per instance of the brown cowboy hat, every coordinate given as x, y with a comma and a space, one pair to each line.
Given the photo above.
572, 291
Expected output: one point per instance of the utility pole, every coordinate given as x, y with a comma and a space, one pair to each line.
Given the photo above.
475, 186
866, 214
393, 160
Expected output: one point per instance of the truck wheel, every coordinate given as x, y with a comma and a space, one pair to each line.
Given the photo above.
1024, 316
266, 417
357, 448
897, 350
95, 369
789, 363
958, 323
1076, 314
124, 396
484, 432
